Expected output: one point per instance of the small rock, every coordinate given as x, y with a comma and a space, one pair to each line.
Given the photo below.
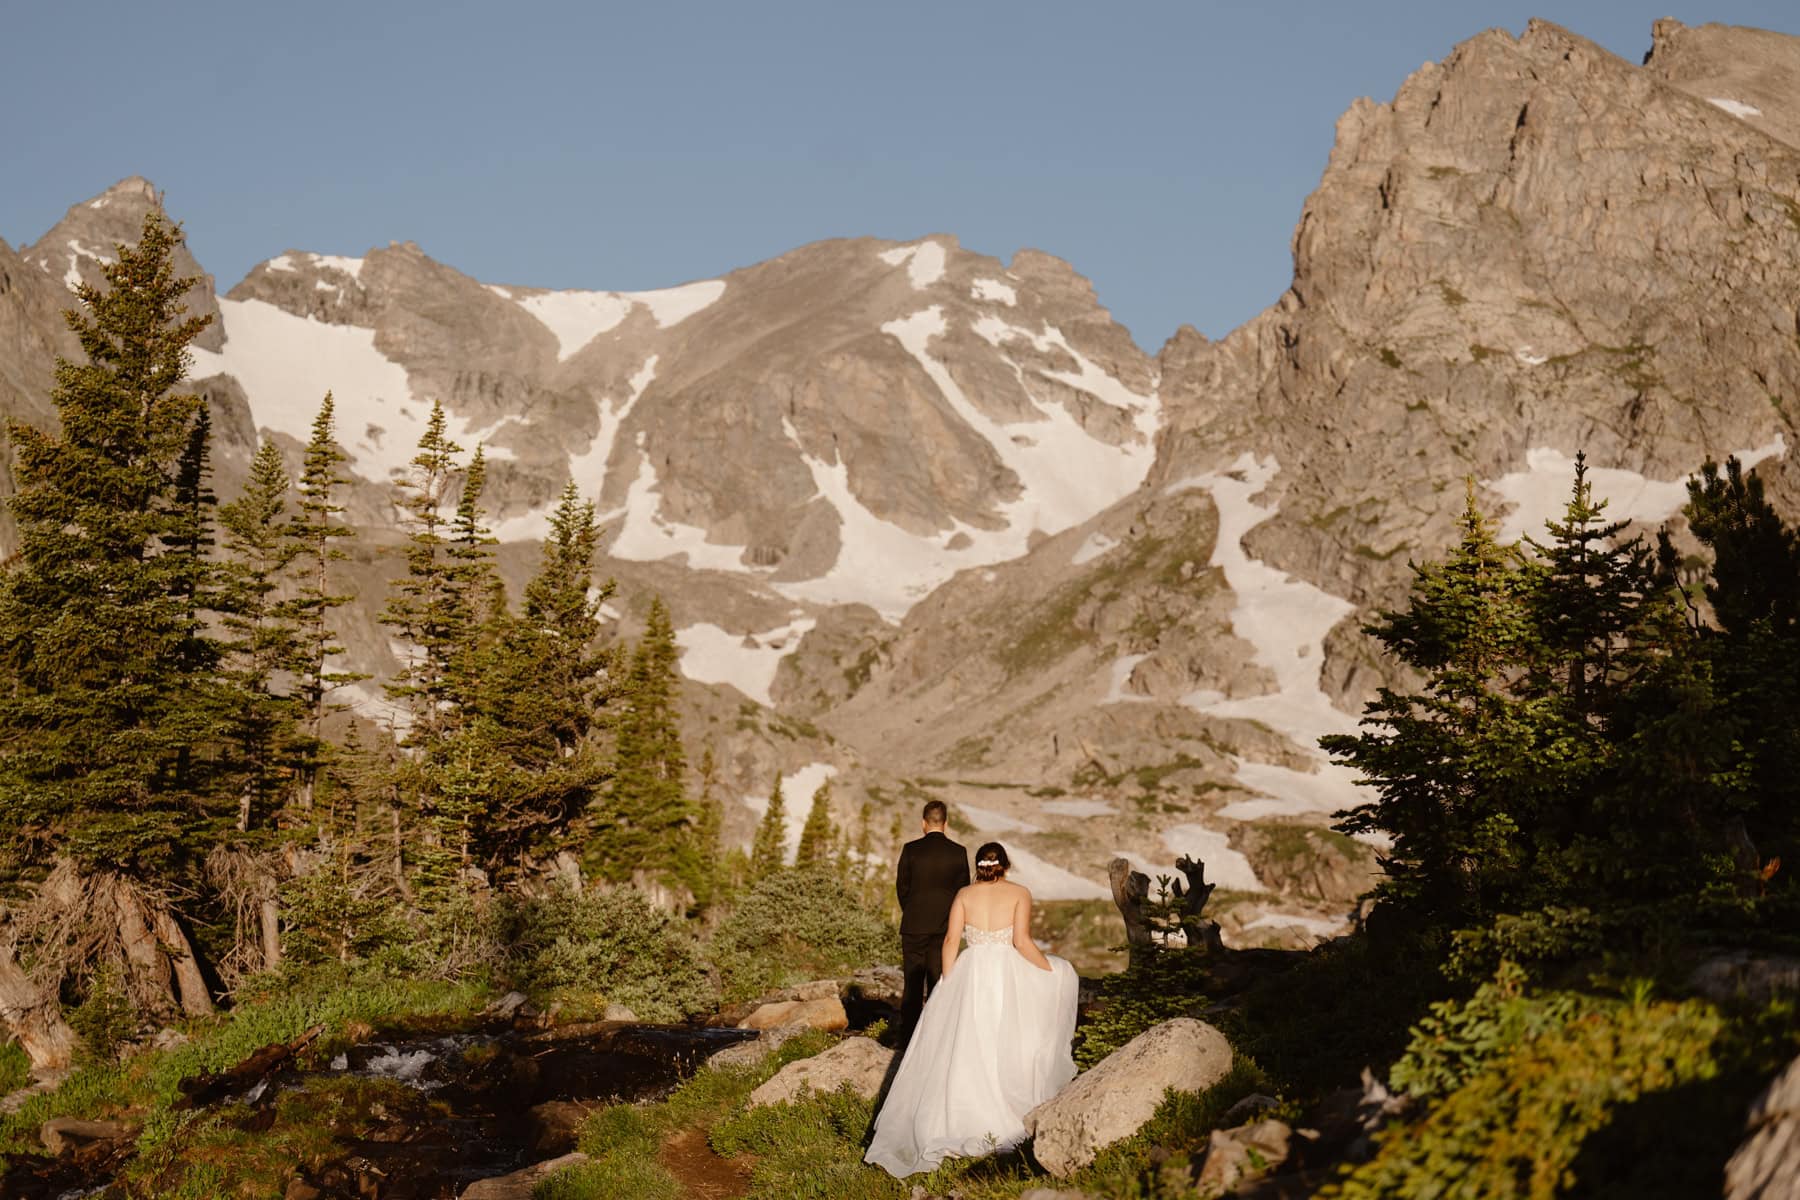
1767, 1165
619, 1012
886, 983
757, 1048
1112, 1100
299, 1189
520, 1184
1243, 1155
1739, 974
556, 1124
826, 1013
60, 1132
506, 1006
168, 1039
859, 1061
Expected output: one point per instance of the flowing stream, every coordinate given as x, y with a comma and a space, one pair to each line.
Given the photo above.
476, 1102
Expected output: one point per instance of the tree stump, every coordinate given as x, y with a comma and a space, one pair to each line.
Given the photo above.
1131, 893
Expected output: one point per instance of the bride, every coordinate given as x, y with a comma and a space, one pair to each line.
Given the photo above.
993, 1041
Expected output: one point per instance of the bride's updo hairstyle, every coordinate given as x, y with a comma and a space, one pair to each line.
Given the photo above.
991, 862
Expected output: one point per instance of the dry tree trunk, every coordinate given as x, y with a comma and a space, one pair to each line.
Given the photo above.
34, 1018
1131, 889
196, 999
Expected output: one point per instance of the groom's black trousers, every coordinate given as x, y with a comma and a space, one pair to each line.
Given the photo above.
922, 963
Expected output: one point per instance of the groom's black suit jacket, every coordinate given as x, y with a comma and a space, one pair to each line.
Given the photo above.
932, 870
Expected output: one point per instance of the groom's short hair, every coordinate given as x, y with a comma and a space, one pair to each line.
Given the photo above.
936, 812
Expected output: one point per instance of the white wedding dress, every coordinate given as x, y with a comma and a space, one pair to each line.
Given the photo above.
992, 1044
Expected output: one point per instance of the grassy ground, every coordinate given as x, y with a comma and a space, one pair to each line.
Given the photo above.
814, 1147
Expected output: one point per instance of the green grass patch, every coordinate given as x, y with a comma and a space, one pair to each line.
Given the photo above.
15, 1068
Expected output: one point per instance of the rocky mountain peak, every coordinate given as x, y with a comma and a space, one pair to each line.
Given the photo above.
76, 247
1750, 73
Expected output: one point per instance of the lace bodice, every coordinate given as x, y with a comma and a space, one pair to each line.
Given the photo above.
976, 936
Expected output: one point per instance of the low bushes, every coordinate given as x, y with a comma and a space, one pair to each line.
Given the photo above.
795, 926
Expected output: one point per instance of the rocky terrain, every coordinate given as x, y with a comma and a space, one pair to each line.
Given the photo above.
931, 524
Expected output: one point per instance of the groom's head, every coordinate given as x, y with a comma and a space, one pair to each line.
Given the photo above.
935, 816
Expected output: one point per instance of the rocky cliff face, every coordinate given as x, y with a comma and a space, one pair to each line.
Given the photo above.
933, 523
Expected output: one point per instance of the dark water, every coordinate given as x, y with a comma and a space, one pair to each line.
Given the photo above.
465, 1114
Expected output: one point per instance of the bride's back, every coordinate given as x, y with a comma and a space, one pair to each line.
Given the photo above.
993, 905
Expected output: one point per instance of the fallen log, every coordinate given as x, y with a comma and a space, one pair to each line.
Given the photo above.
201, 1090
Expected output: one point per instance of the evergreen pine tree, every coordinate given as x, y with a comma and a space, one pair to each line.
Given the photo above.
768, 852
707, 851
816, 835
426, 606
1455, 767
109, 708
315, 535
261, 633
648, 818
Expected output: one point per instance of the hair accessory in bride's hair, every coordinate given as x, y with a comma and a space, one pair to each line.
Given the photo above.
987, 862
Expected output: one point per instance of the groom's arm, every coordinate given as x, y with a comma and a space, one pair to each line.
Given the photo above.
903, 876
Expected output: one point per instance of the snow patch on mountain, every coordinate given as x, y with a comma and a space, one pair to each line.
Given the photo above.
287, 363
77, 252
1736, 108
1540, 492
1224, 866
1049, 882
993, 290
1066, 474
588, 469
1285, 620
672, 306
748, 662
986, 820
1078, 808
577, 318
1097, 543
797, 790
1121, 675
646, 536
924, 261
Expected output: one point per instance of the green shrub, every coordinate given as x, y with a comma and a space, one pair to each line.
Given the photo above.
15, 1068
795, 926
1518, 1125
612, 942
1460, 1038
1163, 985
809, 1148
105, 1019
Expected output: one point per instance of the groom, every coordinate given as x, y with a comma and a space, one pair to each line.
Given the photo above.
932, 870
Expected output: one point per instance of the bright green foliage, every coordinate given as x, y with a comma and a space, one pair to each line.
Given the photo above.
314, 537
816, 835
795, 926
613, 943
261, 634
110, 716
106, 1018
1459, 1039
768, 851
1520, 1124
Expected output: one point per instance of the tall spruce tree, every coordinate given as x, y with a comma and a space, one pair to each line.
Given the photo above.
768, 852
261, 633
1454, 766
815, 849
648, 819
426, 607
315, 536
110, 709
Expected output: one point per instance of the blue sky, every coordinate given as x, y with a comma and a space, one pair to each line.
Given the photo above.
1162, 148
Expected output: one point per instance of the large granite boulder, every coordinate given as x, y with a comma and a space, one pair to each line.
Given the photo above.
1767, 1165
860, 1062
1114, 1099
520, 1184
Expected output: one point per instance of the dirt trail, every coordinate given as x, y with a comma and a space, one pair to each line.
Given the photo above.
703, 1175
